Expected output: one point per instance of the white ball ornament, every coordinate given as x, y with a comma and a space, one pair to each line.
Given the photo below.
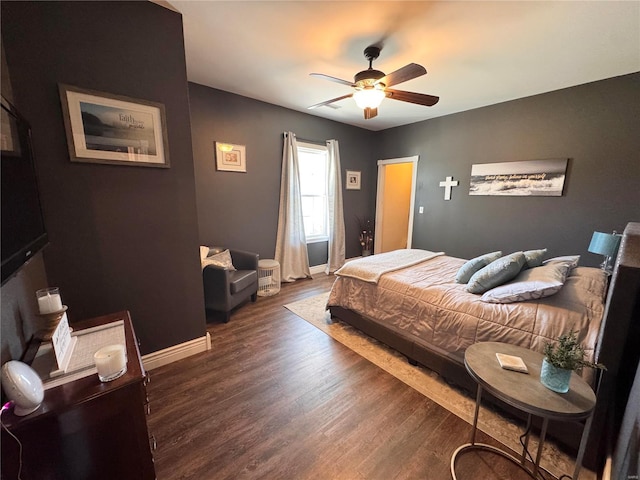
23, 386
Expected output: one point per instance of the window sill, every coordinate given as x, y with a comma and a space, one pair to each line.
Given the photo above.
317, 240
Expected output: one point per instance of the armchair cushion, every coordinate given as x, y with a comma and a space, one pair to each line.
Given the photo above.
241, 279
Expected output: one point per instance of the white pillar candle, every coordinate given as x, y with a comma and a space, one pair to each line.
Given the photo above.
49, 302
111, 362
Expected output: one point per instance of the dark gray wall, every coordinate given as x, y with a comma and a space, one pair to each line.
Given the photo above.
126, 237
19, 320
240, 210
121, 237
594, 125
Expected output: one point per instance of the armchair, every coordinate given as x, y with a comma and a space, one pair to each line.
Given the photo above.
224, 289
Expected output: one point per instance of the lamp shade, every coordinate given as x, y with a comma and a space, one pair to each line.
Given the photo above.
604, 244
369, 97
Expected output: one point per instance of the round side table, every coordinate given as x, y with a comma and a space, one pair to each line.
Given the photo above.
525, 392
268, 278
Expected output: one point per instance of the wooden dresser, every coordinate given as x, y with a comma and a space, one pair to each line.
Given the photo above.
86, 429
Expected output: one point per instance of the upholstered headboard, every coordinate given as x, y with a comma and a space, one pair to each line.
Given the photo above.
622, 302
617, 345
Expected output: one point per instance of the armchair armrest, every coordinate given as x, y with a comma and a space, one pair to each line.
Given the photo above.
243, 260
215, 278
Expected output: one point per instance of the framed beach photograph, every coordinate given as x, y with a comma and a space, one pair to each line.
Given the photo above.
353, 180
113, 129
541, 178
231, 158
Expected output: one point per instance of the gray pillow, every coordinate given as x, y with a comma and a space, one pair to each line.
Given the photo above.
530, 284
496, 273
571, 260
475, 264
534, 257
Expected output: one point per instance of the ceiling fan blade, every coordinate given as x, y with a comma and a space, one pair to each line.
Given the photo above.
369, 113
332, 79
419, 98
408, 72
322, 104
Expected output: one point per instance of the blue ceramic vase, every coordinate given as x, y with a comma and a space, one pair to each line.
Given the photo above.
554, 378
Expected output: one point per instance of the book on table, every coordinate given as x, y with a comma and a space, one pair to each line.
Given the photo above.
511, 362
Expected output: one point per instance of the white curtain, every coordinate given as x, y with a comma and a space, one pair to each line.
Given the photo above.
336, 215
291, 243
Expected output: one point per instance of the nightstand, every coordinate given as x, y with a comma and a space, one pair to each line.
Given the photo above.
525, 392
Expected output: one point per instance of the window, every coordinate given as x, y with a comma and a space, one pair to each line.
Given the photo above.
313, 162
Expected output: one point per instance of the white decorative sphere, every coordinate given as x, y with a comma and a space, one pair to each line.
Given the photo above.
23, 386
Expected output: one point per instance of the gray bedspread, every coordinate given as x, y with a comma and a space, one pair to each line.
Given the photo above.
424, 302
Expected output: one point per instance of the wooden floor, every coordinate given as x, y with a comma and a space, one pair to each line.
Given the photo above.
276, 398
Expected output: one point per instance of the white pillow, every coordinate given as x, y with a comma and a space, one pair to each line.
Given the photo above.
222, 260
531, 284
204, 252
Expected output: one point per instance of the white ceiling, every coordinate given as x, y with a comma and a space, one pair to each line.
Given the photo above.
476, 53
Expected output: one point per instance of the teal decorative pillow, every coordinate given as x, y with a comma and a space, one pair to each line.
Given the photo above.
534, 257
475, 264
496, 273
530, 284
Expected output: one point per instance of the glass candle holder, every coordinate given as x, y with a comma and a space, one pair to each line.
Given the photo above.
111, 362
49, 300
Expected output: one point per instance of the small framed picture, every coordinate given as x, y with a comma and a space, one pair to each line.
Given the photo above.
113, 129
231, 158
353, 180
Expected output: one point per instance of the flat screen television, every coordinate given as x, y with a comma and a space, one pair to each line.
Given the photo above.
23, 231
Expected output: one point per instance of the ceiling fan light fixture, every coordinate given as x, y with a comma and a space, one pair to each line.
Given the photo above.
371, 86
369, 97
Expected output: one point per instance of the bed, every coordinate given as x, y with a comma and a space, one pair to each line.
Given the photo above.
421, 311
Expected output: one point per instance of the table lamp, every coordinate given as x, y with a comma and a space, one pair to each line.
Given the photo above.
605, 244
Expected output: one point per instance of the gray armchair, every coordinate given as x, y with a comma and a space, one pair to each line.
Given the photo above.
225, 289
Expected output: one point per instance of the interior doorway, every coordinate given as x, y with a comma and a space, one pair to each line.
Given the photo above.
395, 198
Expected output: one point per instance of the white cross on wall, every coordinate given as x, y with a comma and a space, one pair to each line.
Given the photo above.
447, 184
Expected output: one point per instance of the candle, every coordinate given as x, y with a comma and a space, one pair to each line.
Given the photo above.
111, 362
49, 300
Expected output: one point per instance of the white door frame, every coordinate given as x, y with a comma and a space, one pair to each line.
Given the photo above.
380, 197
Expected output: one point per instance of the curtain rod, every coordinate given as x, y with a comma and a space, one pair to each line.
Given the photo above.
316, 142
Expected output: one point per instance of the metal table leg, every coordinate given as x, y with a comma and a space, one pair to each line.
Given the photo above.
583, 445
526, 441
475, 415
543, 434
481, 446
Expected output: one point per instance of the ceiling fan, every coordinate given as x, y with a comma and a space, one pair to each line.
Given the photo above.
372, 86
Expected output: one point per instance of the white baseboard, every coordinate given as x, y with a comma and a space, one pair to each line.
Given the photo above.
176, 352
321, 268
317, 269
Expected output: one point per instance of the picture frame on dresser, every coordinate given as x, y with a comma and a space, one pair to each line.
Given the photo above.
114, 129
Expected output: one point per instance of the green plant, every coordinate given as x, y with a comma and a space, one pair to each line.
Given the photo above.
567, 353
